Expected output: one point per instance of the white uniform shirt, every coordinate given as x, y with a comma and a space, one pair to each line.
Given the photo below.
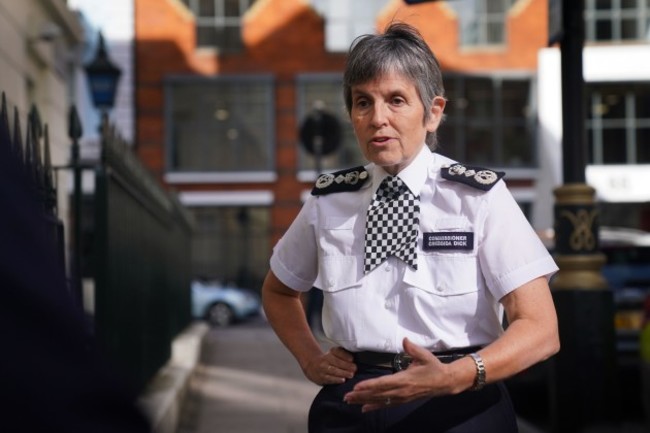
450, 301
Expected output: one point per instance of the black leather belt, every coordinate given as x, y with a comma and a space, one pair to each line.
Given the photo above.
400, 361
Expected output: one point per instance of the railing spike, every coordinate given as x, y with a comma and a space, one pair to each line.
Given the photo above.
75, 129
37, 124
30, 152
37, 133
5, 135
47, 156
48, 182
17, 142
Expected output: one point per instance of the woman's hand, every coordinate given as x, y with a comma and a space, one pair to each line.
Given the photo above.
426, 376
286, 315
333, 367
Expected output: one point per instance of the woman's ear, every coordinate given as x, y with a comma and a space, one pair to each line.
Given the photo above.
435, 116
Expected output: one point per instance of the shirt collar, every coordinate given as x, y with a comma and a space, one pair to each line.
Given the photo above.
413, 175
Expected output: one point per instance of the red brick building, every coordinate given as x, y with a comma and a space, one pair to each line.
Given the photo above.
222, 88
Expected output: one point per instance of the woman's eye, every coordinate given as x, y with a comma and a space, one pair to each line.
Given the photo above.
362, 103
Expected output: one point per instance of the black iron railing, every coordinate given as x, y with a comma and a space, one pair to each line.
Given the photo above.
31, 154
141, 242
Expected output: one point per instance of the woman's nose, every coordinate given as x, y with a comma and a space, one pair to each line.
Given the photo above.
379, 115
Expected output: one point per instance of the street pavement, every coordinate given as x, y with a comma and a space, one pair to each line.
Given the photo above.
247, 382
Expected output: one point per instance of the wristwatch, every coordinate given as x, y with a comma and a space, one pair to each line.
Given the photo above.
479, 381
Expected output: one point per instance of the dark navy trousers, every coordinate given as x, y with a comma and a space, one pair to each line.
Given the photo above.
486, 411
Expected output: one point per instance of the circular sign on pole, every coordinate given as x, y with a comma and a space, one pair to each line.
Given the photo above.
320, 133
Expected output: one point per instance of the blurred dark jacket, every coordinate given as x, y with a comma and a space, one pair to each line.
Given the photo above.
51, 378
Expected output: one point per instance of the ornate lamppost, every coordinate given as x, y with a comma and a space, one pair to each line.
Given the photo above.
103, 77
584, 383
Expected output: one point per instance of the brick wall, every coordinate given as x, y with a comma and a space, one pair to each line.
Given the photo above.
283, 38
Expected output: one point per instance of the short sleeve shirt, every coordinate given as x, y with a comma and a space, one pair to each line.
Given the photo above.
451, 300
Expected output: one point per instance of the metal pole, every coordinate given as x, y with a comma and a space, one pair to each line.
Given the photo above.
583, 380
573, 103
74, 132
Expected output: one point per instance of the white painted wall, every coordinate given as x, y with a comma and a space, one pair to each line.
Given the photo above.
38, 71
39, 42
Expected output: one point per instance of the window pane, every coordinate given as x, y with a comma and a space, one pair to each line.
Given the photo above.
495, 33
206, 8
617, 20
518, 143
481, 22
642, 100
643, 145
448, 141
231, 8
230, 39
452, 93
614, 146
206, 35
221, 24
495, 6
603, 30
628, 29
517, 146
231, 244
479, 144
514, 98
603, 5
221, 126
613, 105
480, 97
590, 147
489, 121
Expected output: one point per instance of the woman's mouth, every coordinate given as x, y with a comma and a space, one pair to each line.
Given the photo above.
379, 140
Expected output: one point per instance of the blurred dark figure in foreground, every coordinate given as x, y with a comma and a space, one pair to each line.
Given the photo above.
51, 380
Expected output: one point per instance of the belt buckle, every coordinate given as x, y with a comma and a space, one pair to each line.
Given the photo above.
401, 361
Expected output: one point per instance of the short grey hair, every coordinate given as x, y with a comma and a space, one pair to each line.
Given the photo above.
400, 49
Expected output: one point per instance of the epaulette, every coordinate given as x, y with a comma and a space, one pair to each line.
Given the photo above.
477, 177
350, 179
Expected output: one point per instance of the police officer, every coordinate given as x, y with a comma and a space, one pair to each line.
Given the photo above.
418, 258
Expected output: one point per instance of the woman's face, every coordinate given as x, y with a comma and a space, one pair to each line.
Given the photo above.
388, 120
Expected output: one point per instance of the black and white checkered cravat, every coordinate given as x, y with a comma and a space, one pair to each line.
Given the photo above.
392, 224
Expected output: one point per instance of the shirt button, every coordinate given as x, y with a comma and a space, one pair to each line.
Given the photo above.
440, 288
388, 304
387, 268
387, 345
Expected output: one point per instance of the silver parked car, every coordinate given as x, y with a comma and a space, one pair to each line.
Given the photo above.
222, 305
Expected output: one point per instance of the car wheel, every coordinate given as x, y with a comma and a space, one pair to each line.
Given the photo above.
220, 314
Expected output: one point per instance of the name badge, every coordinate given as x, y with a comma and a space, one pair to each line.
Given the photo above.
448, 241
